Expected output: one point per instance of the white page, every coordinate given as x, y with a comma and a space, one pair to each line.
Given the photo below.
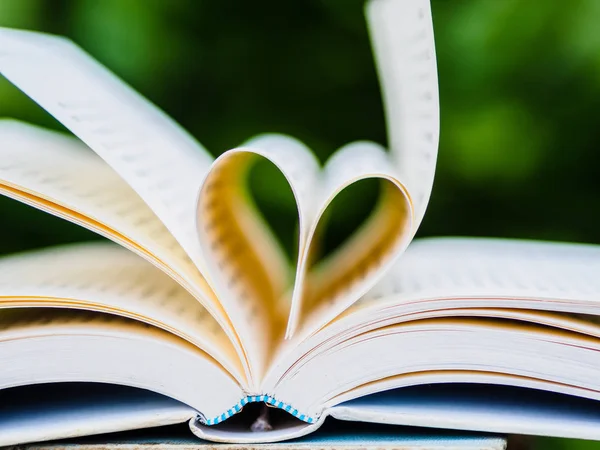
60, 175
517, 270
51, 418
125, 352
503, 411
458, 277
326, 288
349, 326
58, 170
466, 345
402, 35
241, 255
447, 277
154, 155
105, 277
245, 264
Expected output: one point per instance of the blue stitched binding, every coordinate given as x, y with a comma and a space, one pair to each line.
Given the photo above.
255, 399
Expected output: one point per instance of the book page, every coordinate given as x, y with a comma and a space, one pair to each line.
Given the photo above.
332, 285
105, 277
60, 175
559, 357
162, 163
516, 270
54, 346
247, 268
402, 35
552, 284
66, 411
480, 402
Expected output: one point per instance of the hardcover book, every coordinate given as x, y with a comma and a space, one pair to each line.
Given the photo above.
196, 301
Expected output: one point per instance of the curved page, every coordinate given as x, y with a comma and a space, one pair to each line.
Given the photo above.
59, 175
125, 353
518, 273
105, 277
478, 345
160, 161
50, 412
326, 288
246, 266
402, 35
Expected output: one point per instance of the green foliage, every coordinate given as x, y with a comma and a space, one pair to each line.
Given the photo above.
564, 444
274, 198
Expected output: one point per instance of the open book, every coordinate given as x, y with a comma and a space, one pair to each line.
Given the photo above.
199, 303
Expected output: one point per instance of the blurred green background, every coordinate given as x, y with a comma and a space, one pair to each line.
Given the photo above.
519, 90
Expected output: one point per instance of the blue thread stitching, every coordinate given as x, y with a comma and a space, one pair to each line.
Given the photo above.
254, 399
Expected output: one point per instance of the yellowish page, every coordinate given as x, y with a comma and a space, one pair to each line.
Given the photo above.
402, 35
554, 284
62, 176
161, 162
326, 288
105, 277
55, 348
245, 264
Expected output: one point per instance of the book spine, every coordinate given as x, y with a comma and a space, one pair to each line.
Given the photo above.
256, 399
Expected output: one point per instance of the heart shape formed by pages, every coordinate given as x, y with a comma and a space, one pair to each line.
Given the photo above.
193, 217
244, 262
